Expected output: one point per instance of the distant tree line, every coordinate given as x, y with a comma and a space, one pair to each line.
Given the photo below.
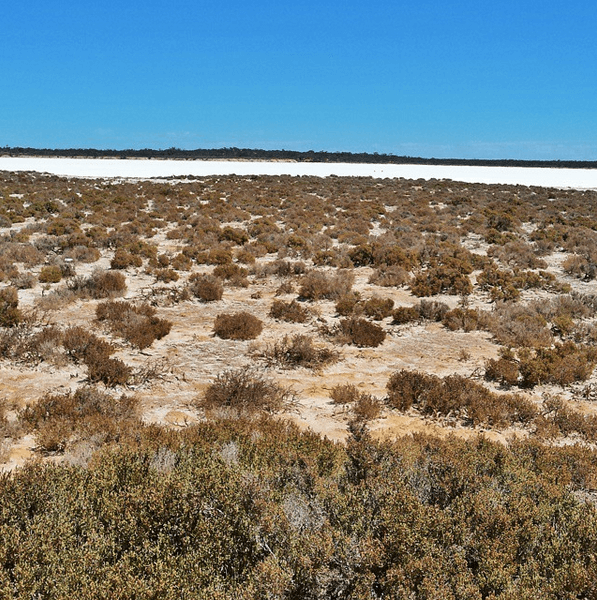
308, 156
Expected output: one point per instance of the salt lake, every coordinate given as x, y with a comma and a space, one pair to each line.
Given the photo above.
143, 169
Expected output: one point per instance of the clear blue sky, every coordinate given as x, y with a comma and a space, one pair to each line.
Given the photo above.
460, 78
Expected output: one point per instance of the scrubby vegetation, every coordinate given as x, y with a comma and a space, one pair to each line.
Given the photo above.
387, 303
299, 351
238, 326
253, 508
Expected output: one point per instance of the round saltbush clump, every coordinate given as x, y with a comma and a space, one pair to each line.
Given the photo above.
206, 287
237, 326
362, 333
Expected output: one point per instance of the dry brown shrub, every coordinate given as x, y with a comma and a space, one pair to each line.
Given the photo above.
515, 326
378, 308
137, 324
50, 274
59, 418
10, 315
285, 268
348, 304
219, 256
405, 314
366, 408
317, 285
425, 310
123, 259
517, 253
180, 262
392, 276
361, 332
299, 351
244, 392
166, 275
109, 371
235, 235
561, 419
467, 319
23, 281
42, 345
79, 341
441, 280
291, 312
344, 393
206, 287
502, 370
459, 396
580, 266
245, 256
237, 326
101, 284
431, 310
230, 271
286, 287
406, 387
84, 254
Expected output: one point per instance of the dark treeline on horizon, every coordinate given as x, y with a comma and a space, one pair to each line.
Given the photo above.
308, 156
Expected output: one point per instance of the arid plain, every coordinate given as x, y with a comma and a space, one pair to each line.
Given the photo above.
363, 292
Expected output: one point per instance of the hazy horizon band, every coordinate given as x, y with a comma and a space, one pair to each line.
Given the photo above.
149, 168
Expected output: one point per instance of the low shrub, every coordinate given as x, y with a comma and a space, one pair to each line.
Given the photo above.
516, 325
348, 304
237, 326
84, 254
123, 259
405, 314
561, 365
467, 319
345, 393
59, 418
23, 281
366, 408
136, 324
109, 371
432, 310
441, 280
378, 308
457, 395
392, 276
50, 274
10, 315
361, 332
230, 271
78, 342
206, 287
166, 275
299, 351
425, 310
567, 421
291, 312
504, 370
244, 392
317, 285
234, 235
101, 284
